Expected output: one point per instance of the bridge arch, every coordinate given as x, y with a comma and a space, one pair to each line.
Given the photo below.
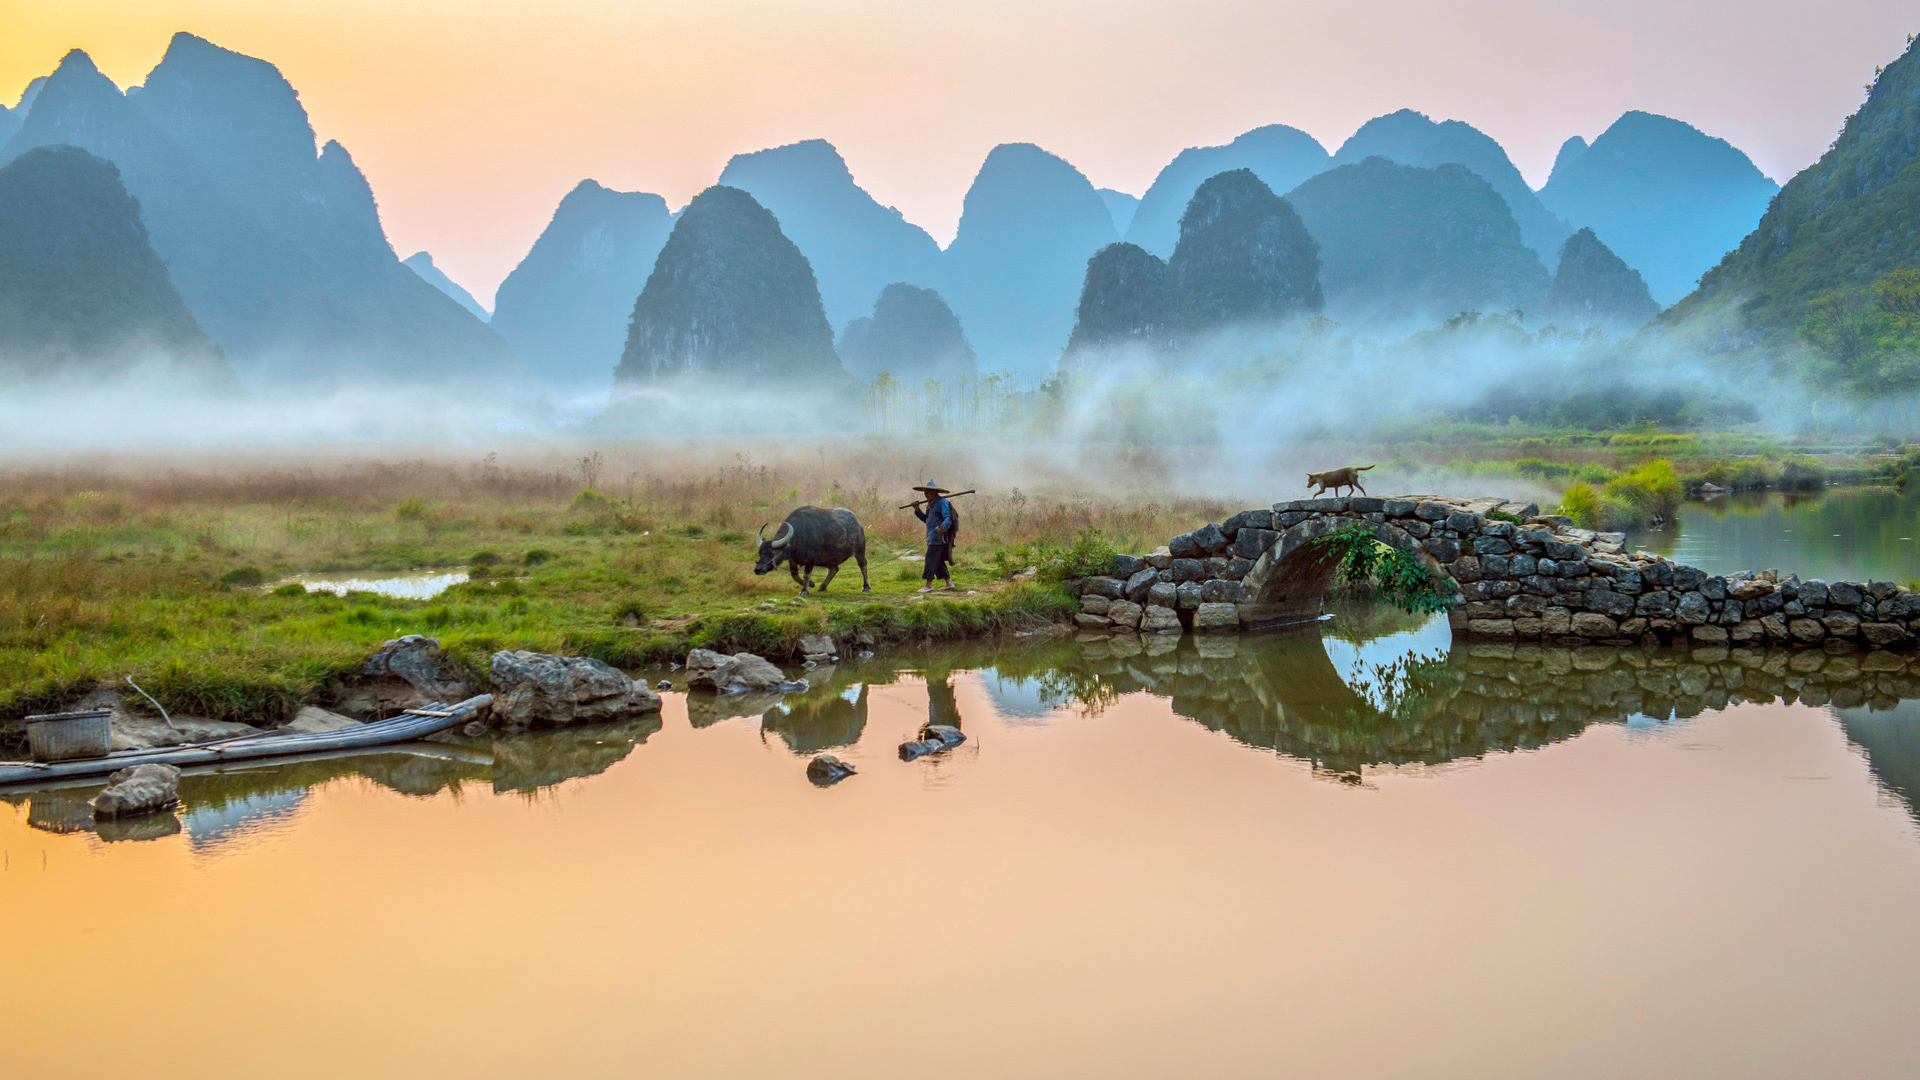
1289, 581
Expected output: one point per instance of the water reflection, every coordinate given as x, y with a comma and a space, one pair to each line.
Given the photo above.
1363, 692
411, 585
1835, 534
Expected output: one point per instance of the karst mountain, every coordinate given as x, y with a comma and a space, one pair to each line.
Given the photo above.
731, 304
565, 307
274, 243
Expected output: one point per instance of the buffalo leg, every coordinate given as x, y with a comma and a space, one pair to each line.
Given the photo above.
831, 570
794, 569
860, 556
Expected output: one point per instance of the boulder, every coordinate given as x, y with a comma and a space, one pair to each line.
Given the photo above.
141, 789
1160, 558
532, 688
933, 739
1124, 613
1094, 605
1092, 622
420, 663
1216, 616
1140, 583
825, 770
1111, 588
739, 673
817, 647
1187, 595
1253, 542
1163, 595
311, 720
1209, 539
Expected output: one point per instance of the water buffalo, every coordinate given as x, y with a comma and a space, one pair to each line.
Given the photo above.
813, 537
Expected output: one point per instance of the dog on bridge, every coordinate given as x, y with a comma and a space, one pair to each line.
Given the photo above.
1336, 479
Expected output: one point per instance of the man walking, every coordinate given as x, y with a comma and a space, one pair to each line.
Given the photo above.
941, 524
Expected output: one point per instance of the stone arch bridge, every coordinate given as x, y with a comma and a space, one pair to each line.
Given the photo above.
1521, 576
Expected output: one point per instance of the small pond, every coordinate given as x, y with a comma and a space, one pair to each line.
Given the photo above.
405, 585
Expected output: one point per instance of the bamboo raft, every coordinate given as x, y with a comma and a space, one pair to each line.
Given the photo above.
409, 725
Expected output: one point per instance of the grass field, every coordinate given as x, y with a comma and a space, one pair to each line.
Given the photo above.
168, 573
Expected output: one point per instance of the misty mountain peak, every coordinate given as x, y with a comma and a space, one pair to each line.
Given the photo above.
1595, 287
1281, 156
1029, 223
855, 245
565, 307
1570, 152
729, 294
1665, 196
235, 112
816, 157
1413, 138
1244, 256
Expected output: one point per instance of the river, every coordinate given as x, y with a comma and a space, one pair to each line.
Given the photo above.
1355, 850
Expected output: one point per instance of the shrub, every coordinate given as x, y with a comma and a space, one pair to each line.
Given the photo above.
484, 558
1395, 576
413, 509
1089, 554
291, 588
537, 556
244, 577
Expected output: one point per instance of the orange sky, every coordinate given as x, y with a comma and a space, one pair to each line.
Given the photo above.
471, 119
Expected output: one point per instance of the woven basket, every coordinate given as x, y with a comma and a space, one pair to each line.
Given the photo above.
68, 735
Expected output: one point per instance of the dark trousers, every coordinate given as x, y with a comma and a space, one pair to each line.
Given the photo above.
937, 557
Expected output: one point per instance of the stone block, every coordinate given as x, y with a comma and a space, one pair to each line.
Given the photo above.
1464, 569
1608, 602
1557, 621
1589, 625
1290, 519
1248, 519
1806, 630
1415, 528
1465, 522
1210, 618
1095, 605
1327, 506
1142, 580
1111, 588
1238, 568
1693, 609
1688, 578
1187, 595
1709, 635
1492, 545
1160, 558
1431, 512
1216, 565
1163, 594
1209, 539
1812, 594
1125, 613
1714, 589
1490, 628
1657, 604
1221, 591
1092, 621
1443, 549
1363, 504
1841, 624
1845, 594
1189, 570
1529, 628
1882, 635
1160, 619
1397, 507
1252, 542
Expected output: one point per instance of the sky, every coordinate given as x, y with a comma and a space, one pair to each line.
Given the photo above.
471, 119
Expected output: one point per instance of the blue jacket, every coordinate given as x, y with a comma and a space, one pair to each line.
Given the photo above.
939, 518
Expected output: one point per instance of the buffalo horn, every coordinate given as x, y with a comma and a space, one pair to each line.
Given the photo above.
780, 540
763, 530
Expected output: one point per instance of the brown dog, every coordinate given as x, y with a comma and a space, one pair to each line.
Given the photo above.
1336, 479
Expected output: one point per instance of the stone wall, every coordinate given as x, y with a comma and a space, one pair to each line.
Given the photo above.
1521, 577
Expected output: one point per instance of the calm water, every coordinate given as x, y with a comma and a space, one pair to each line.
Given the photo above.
1289, 855
1853, 534
407, 585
